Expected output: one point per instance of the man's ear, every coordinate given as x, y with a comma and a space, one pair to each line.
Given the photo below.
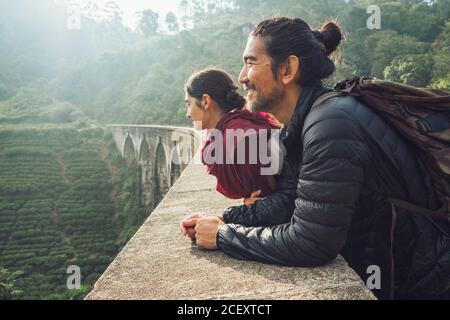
289, 69
206, 101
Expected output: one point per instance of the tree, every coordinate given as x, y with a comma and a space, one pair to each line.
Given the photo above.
412, 69
441, 63
148, 22
355, 53
383, 46
442, 83
112, 12
172, 22
441, 9
441, 69
403, 19
198, 12
184, 5
7, 281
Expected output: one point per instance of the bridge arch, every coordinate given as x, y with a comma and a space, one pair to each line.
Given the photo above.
129, 151
144, 152
161, 178
175, 164
145, 174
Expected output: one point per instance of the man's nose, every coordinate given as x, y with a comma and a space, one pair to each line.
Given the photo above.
187, 114
243, 75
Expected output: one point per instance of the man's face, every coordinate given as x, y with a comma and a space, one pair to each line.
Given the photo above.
194, 112
264, 92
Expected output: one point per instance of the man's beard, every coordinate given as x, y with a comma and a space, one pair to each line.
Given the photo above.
266, 103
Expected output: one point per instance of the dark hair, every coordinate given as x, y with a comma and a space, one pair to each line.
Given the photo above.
218, 85
293, 36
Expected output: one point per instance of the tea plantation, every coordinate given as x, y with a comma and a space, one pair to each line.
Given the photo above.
66, 198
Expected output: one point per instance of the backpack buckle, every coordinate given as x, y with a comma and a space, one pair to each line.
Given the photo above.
435, 122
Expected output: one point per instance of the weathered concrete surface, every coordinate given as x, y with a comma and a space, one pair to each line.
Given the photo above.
159, 263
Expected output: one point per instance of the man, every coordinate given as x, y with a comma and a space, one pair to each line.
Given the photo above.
342, 161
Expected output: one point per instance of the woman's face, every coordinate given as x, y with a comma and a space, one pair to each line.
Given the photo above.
195, 112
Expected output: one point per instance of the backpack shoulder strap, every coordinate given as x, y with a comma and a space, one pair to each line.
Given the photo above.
326, 96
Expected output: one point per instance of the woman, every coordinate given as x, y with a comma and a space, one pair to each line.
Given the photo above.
213, 103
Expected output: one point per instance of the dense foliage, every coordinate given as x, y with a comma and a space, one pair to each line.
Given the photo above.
114, 74
66, 195
57, 208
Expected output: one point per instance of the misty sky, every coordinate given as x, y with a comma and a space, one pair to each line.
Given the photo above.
130, 7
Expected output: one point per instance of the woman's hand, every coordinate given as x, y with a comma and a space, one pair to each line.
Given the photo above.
253, 197
187, 225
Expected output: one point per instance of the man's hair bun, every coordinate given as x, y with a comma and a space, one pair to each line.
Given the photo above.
329, 35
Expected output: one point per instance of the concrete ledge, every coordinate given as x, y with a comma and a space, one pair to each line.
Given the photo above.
159, 263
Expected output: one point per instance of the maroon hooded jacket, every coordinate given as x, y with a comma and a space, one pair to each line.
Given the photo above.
236, 180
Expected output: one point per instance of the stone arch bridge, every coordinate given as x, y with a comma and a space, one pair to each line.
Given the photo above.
160, 154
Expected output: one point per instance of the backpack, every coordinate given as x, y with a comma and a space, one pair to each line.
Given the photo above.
421, 116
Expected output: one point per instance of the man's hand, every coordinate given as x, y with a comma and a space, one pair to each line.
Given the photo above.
206, 232
253, 197
188, 224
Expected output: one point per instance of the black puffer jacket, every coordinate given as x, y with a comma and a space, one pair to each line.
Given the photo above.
340, 163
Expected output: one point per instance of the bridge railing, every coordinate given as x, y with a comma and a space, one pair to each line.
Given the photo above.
159, 263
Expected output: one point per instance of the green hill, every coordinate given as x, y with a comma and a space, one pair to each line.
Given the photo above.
58, 208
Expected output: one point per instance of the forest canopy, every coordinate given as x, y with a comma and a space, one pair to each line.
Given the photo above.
114, 74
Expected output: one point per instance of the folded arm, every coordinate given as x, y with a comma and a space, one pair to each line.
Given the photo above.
334, 157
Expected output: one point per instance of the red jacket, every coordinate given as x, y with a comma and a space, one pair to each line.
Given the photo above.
235, 180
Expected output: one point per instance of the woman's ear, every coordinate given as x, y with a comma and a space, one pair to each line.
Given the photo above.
206, 101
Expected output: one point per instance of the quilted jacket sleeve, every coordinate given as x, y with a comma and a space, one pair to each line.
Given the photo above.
274, 209
334, 157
